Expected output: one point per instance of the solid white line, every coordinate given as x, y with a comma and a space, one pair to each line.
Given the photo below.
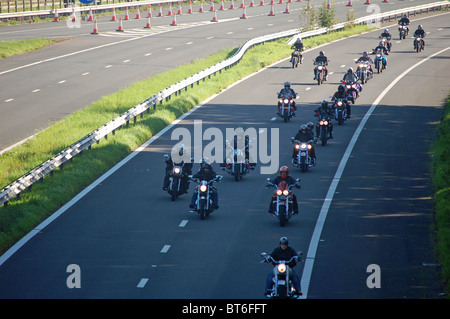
165, 249
313, 245
36, 90
9, 100
142, 283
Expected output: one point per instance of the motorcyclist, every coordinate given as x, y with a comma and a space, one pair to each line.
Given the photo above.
297, 46
321, 58
404, 21
324, 107
237, 140
383, 50
386, 34
304, 135
420, 32
283, 252
351, 76
340, 94
366, 58
287, 90
206, 173
187, 170
284, 177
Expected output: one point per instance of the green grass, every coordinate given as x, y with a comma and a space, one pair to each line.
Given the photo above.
441, 183
21, 215
14, 47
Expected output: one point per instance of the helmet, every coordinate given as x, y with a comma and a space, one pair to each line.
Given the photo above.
386, 31
181, 149
381, 43
350, 70
321, 53
284, 240
310, 125
405, 15
365, 54
207, 166
341, 88
324, 103
299, 39
419, 27
284, 170
303, 127
287, 84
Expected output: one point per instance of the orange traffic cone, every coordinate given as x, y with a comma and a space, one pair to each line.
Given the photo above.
287, 8
242, 4
149, 14
214, 19
272, 13
201, 7
74, 16
261, 3
56, 16
367, 2
114, 15
127, 16
138, 14
252, 3
349, 4
170, 10
385, 1
211, 8
90, 16
148, 26
179, 9
95, 31
222, 7
190, 7
160, 13
120, 29
174, 20
329, 4
244, 14
232, 5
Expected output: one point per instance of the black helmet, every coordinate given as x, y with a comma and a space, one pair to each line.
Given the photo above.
303, 127
310, 125
284, 240
341, 88
324, 103
321, 53
287, 84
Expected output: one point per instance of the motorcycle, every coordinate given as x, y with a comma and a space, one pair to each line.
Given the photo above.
283, 202
204, 189
352, 89
324, 127
340, 106
175, 180
296, 58
303, 159
380, 61
386, 43
418, 44
286, 106
403, 31
319, 72
283, 287
238, 165
363, 71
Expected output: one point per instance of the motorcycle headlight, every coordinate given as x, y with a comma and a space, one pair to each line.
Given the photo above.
280, 100
321, 122
279, 192
285, 192
325, 122
309, 146
303, 146
339, 103
176, 170
286, 101
203, 188
297, 146
281, 268
348, 86
320, 67
354, 86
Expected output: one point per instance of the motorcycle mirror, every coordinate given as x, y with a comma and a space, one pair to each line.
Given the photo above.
300, 253
166, 156
298, 179
263, 254
267, 179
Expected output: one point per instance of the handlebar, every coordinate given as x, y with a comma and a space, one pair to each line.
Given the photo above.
218, 178
268, 258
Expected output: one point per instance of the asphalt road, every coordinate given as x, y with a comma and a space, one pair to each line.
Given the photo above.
130, 241
41, 87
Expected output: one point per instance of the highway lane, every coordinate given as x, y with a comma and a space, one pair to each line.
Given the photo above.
72, 81
119, 235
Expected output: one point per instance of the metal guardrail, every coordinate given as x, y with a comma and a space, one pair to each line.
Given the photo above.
38, 173
86, 8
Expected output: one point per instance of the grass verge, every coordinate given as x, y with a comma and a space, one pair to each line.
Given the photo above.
441, 183
15, 47
24, 213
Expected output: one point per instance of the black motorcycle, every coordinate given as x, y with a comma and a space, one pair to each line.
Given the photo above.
238, 164
296, 58
340, 106
303, 160
418, 44
403, 31
319, 72
176, 177
286, 106
204, 189
283, 287
283, 204
352, 90
324, 127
